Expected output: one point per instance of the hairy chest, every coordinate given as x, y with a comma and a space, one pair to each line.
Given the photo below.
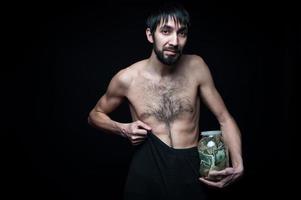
164, 101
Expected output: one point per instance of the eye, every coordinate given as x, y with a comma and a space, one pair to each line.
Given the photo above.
183, 34
165, 32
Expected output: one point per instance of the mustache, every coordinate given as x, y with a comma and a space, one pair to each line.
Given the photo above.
173, 49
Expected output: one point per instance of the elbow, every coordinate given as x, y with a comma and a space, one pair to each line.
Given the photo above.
224, 117
91, 118
96, 119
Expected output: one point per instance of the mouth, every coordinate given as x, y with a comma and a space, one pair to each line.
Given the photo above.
171, 52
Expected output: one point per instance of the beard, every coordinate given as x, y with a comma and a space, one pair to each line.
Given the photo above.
168, 59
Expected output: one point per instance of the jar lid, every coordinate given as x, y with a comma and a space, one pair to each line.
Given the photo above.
211, 133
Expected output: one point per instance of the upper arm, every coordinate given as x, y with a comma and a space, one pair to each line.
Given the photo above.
115, 94
209, 93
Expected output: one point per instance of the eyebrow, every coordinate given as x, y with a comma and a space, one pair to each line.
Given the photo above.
165, 27
184, 28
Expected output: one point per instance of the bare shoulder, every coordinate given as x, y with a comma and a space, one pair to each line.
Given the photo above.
125, 77
196, 66
195, 62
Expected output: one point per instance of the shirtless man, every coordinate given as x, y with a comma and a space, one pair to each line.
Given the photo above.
164, 93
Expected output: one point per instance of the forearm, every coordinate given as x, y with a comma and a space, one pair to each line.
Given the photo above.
103, 122
232, 138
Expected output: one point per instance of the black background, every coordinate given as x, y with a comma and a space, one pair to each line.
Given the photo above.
64, 53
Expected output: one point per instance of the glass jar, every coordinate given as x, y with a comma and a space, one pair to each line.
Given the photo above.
212, 152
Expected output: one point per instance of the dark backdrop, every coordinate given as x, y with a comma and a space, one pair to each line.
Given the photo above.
65, 54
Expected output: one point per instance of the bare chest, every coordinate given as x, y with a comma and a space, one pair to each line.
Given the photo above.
164, 101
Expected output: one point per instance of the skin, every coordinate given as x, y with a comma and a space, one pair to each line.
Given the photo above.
165, 99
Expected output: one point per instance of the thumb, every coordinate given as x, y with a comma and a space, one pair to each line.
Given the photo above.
143, 125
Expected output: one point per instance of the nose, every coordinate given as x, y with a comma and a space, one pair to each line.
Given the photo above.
174, 40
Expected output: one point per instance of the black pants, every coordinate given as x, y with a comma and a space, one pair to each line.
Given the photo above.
158, 171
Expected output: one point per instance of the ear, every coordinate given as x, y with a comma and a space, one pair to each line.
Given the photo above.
149, 35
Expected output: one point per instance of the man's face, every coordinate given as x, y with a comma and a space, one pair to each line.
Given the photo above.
169, 41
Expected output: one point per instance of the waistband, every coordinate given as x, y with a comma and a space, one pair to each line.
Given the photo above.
168, 149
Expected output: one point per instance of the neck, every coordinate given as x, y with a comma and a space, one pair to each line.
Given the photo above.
157, 67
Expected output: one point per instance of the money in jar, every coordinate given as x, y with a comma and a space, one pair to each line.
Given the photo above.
212, 152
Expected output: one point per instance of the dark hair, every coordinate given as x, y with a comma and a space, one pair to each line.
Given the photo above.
173, 10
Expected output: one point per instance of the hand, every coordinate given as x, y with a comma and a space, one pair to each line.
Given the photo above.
222, 178
136, 132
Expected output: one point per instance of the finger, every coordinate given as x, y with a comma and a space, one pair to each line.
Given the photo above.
225, 172
143, 125
218, 175
137, 141
137, 137
141, 132
211, 183
227, 180
214, 177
